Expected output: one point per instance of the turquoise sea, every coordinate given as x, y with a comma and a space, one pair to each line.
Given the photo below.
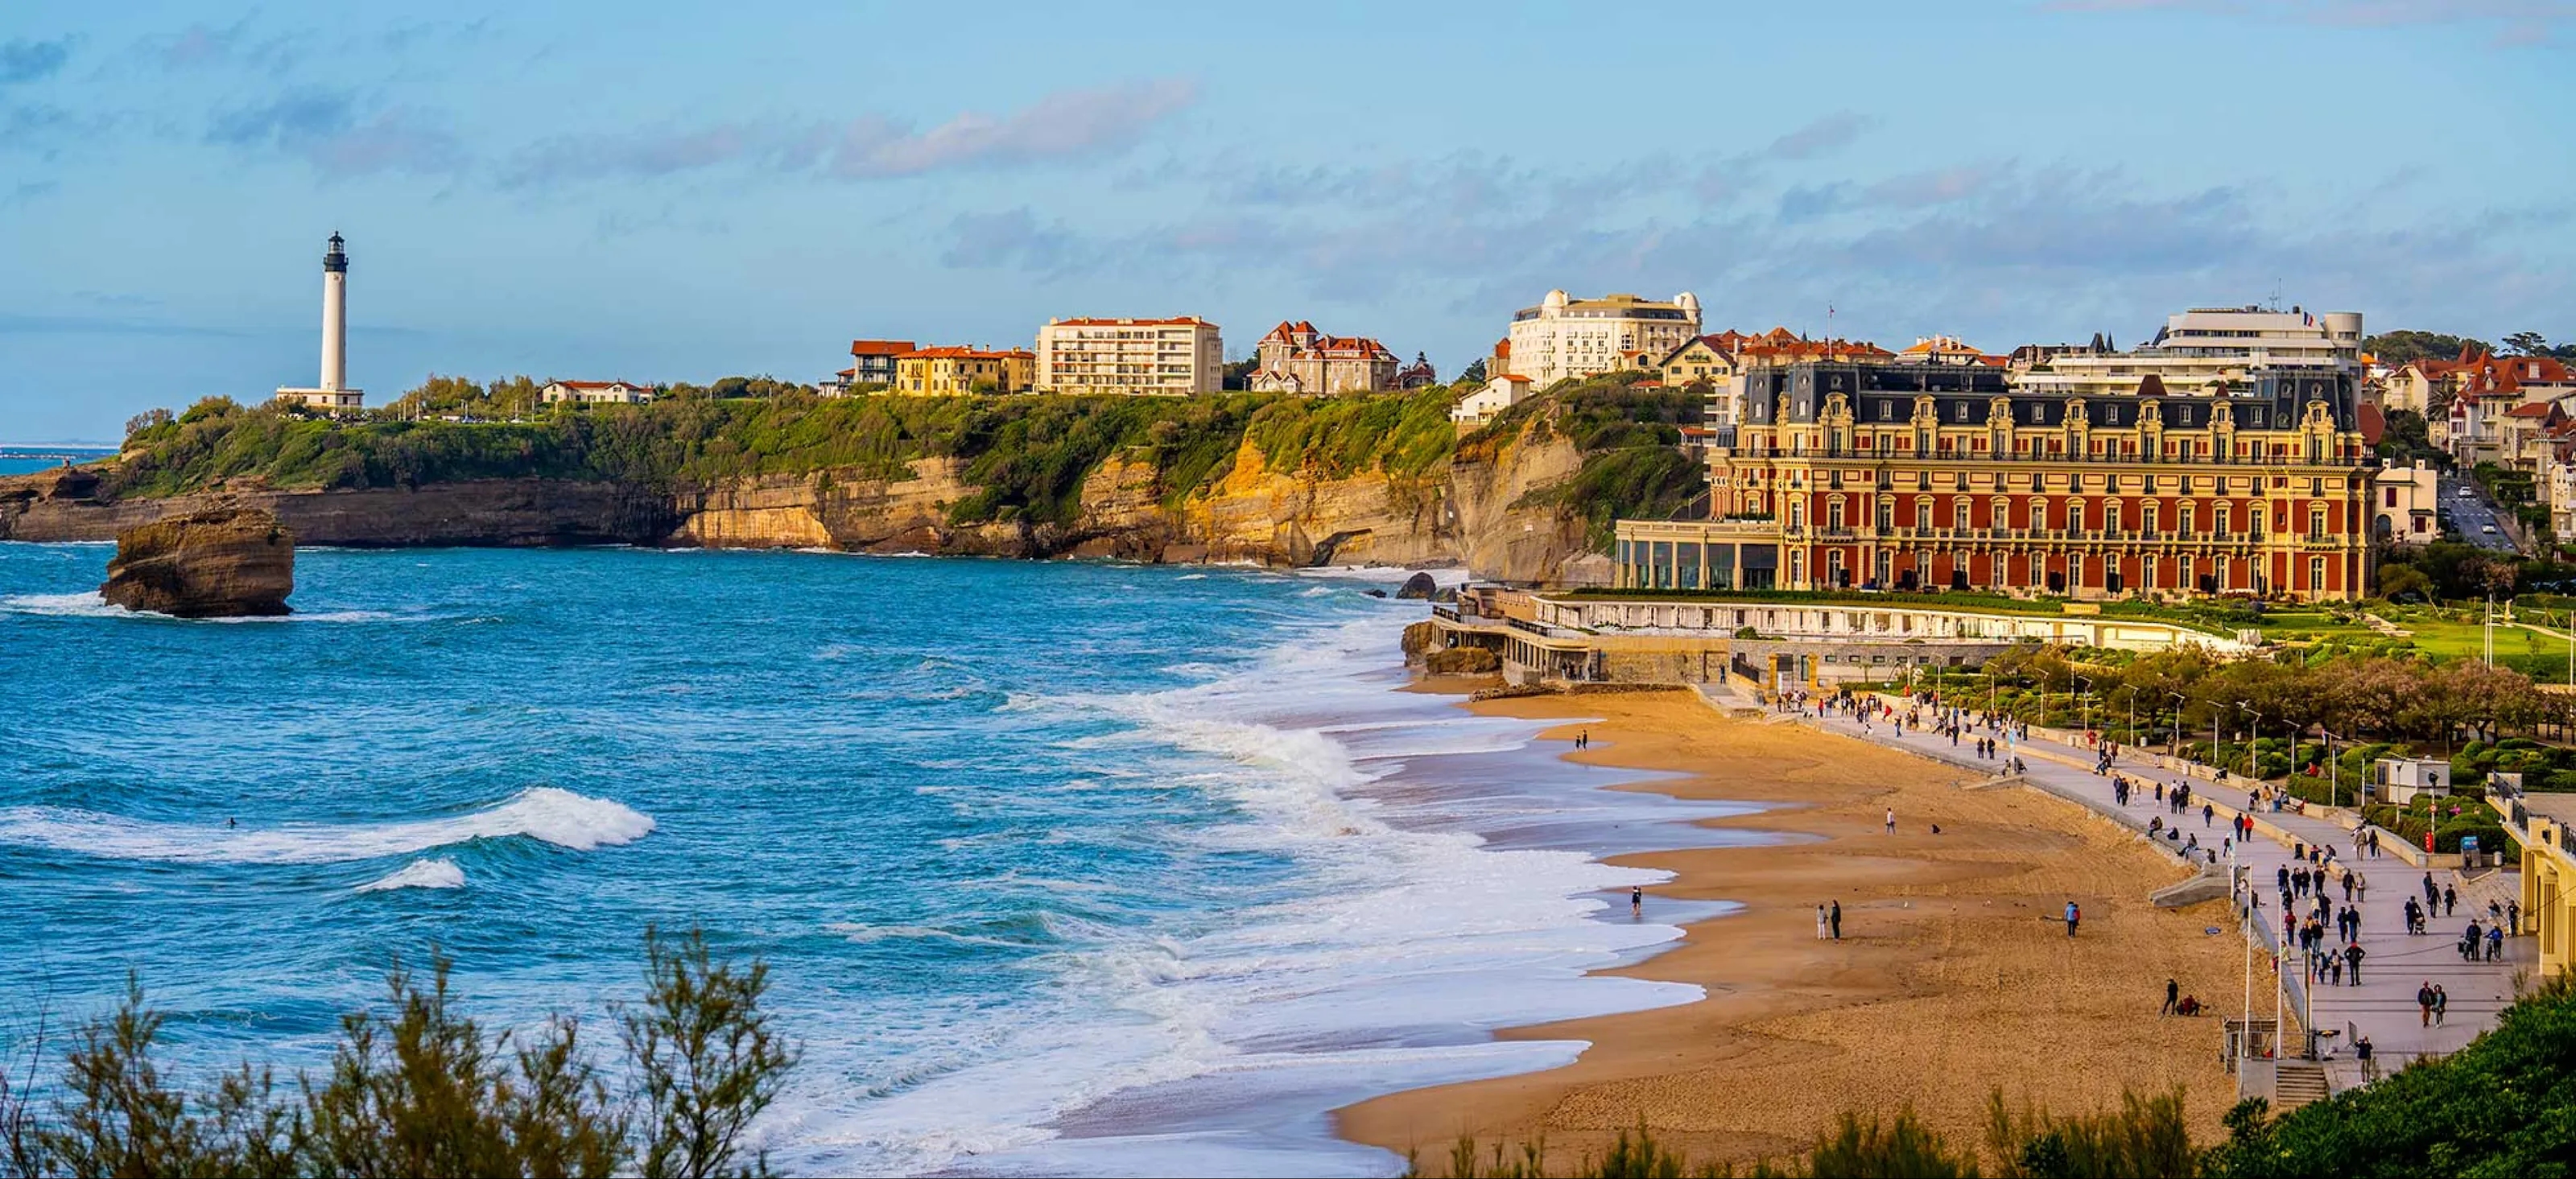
20, 460
1061, 867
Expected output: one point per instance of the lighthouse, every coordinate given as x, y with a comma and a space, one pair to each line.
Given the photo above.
333, 392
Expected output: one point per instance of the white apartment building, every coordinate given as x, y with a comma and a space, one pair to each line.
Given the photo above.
596, 393
2205, 350
1152, 357
1563, 337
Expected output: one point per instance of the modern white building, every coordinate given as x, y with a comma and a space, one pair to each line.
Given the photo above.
2207, 350
332, 393
596, 393
1565, 337
1151, 357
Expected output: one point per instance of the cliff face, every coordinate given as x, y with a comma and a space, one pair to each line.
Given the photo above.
1462, 515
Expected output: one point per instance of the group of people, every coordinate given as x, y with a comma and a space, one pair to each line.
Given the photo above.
1829, 921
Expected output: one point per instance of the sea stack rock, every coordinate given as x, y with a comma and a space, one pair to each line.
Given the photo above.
217, 563
1418, 587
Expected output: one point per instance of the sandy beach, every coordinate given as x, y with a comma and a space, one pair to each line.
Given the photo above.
1954, 976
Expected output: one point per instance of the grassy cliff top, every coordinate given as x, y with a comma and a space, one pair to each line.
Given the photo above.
1028, 455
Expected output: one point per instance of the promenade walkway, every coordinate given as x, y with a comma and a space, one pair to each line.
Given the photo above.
2395, 963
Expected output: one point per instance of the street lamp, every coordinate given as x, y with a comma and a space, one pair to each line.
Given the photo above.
2253, 736
2173, 739
2086, 696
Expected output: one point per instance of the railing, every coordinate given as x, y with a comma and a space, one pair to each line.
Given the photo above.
1448, 612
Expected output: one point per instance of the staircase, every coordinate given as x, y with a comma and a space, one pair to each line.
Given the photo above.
2298, 1083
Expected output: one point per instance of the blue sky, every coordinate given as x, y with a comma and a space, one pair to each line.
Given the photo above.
653, 192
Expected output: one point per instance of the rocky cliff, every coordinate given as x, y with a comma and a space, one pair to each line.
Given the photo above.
224, 562
1463, 514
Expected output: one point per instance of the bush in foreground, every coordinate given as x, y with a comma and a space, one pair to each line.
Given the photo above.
420, 1089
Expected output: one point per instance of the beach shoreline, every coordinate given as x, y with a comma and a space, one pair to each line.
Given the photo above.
1954, 977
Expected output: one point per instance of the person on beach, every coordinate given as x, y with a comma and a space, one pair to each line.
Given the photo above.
1835, 918
2074, 916
1637, 898
2173, 995
1821, 935
1891, 820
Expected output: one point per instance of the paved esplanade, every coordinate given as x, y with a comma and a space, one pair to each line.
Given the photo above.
2394, 962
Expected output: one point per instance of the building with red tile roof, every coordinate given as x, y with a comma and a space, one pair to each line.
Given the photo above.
873, 360
1296, 358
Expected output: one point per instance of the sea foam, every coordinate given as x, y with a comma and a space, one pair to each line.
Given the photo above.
559, 817
438, 873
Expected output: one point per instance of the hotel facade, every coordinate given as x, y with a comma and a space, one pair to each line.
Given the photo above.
1150, 357
1566, 337
1944, 476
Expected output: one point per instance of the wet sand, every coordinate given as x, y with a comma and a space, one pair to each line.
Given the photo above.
1954, 975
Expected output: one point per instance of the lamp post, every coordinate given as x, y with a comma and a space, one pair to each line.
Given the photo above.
2173, 743
2086, 698
2253, 736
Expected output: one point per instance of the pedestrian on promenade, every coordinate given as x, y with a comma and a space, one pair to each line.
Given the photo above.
2352, 956
2208, 815
2347, 886
2432, 895
2441, 1004
2173, 994
2424, 1005
1835, 917
2495, 943
2513, 916
2073, 917
2472, 941
2450, 899
2361, 1049
2360, 888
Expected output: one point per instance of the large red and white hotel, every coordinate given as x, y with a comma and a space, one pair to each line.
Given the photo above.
1944, 476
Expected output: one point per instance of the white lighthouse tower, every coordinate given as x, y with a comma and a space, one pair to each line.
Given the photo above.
334, 393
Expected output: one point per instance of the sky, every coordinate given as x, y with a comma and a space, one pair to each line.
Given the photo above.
652, 192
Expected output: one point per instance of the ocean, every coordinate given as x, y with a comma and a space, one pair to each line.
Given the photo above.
1059, 867
21, 460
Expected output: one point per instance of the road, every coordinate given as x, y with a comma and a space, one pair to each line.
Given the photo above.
2472, 515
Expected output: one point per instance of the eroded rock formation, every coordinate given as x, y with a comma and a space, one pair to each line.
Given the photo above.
228, 562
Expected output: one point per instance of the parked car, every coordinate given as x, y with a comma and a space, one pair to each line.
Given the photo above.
2487, 528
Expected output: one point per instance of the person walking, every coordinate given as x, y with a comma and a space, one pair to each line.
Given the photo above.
2450, 899
1637, 899
2513, 916
2495, 943
1891, 820
1821, 934
2360, 888
2347, 887
2173, 994
2441, 1004
2361, 1050
1835, 917
2424, 1005
2352, 956
2074, 916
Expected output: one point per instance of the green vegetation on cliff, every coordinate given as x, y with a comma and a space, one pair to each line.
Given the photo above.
1630, 436
1027, 456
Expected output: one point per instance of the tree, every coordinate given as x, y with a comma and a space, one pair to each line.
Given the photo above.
2400, 347
2527, 344
1474, 373
2403, 583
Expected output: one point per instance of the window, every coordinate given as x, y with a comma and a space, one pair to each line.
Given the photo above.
2316, 523
1961, 413
1887, 411
1959, 514
2316, 575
